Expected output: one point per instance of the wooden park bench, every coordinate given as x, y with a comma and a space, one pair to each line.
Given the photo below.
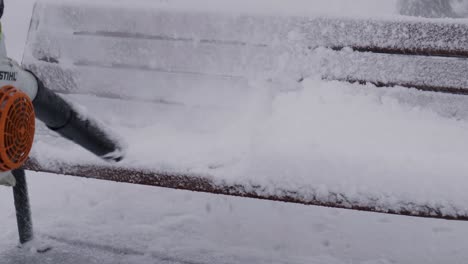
185, 73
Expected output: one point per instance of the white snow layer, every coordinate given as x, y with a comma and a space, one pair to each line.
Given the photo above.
365, 143
351, 139
394, 144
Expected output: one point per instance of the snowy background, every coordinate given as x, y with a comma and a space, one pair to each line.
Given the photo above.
89, 221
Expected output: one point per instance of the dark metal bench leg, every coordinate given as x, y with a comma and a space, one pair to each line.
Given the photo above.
22, 206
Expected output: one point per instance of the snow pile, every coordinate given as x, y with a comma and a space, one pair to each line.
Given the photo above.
328, 137
359, 140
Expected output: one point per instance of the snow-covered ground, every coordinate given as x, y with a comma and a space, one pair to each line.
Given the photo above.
347, 129
158, 224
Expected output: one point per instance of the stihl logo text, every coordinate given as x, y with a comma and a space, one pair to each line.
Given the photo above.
7, 76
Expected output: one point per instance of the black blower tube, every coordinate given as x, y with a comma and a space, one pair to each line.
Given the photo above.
60, 117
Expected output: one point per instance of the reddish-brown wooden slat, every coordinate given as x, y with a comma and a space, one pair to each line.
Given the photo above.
204, 183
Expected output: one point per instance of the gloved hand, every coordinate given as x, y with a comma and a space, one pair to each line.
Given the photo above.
7, 179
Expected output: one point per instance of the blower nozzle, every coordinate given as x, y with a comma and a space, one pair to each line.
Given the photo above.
62, 118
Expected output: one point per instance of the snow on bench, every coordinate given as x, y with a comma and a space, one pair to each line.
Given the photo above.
247, 105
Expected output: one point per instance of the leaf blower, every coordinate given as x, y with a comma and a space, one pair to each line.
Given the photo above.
23, 97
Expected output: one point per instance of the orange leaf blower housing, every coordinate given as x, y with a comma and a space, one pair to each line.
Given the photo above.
17, 126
